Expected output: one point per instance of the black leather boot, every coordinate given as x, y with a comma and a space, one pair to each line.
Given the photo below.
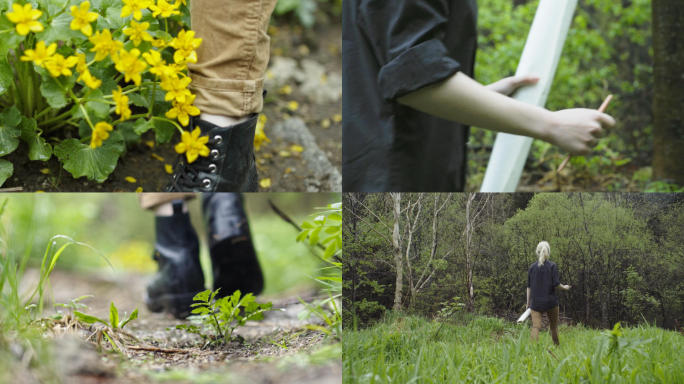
230, 166
180, 275
230, 244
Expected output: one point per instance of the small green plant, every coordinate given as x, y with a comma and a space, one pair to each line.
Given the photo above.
112, 330
223, 315
325, 230
449, 308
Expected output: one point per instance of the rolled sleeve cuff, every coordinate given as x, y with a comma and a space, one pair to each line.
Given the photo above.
424, 64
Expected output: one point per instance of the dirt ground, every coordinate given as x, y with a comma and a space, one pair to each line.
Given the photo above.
277, 162
277, 349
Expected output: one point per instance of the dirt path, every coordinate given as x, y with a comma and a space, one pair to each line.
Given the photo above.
277, 349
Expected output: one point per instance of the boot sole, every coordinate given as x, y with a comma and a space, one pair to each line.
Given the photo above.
176, 304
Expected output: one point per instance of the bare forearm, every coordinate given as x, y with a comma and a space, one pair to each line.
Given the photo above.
464, 100
528, 297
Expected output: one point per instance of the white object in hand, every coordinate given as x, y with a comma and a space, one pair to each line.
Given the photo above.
539, 58
525, 315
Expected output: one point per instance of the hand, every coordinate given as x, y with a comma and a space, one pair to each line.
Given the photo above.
508, 85
578, 130
527, 306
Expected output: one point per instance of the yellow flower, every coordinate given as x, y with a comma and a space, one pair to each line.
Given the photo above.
134, 7
26, 18
259, 134
103, 44
265, 183
164, 9
158, 43
57, 65
89, 80
193, 145
157, 64
121, 101
168, 168
82, 18
139, 189
40, 54
176, 88
130, 65
100, 133
293, 105
185, 44
183, 111
137, 32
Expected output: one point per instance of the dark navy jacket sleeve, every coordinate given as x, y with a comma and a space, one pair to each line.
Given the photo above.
407, 40
555, 278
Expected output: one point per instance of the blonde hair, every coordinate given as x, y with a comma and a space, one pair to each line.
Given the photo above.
543, 250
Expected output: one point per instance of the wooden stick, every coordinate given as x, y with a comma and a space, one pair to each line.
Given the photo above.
12, 189
601, 109
157, 349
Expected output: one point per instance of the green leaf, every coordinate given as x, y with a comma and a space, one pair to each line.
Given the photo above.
133, 316
138, 100
113, 315
202, 296
97, 107
112, 18
302, 235
313, 237
53, 93
9, 39
88, 318
6, 75
6, 170
59, 30
142, 125
38, 148
81, 160
163, 130
9, 132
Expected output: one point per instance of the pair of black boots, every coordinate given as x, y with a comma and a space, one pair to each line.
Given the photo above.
234, 262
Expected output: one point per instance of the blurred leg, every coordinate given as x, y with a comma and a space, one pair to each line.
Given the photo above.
233, 258
536, 324
553, 324
153, 200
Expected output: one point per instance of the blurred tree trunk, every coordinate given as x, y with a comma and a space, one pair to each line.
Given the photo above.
399, 285
668, 101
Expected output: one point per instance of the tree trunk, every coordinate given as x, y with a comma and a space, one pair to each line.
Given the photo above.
668, 71
469, 260
399, 285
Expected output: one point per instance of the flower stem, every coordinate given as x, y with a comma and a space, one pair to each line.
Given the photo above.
85, 114
168, 120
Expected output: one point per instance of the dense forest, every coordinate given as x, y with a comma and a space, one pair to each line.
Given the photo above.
435, 254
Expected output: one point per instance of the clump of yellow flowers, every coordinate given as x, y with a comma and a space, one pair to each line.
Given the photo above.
95, 71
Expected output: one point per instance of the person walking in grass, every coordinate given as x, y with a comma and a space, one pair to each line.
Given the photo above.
542, 280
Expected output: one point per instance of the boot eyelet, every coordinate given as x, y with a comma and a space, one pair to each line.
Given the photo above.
206, 183
214, 153
212, 168
218, 139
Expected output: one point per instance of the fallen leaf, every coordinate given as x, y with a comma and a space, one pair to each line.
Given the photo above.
139, 189
284, 154
325, 123
131, 179
297, 148
293, 105
265, 183
337, 118
285, 90
45, 171
168, 168
149, 143
154, 155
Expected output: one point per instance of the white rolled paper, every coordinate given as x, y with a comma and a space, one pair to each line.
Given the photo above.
539, 58
525, 315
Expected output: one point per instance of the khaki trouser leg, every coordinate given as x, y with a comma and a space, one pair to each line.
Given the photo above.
228, 77
553, 324
153, 200
536, 324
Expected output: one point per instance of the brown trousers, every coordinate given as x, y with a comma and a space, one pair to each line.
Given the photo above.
152, 200
228, 77
553, 324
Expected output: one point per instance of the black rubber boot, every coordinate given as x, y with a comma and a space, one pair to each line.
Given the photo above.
230, 166
180, 275
233, 257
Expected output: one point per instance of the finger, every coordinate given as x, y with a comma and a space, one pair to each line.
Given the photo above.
606, 119
526, 80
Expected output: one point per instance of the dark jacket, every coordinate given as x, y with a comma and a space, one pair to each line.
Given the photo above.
542, 281
392, 48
